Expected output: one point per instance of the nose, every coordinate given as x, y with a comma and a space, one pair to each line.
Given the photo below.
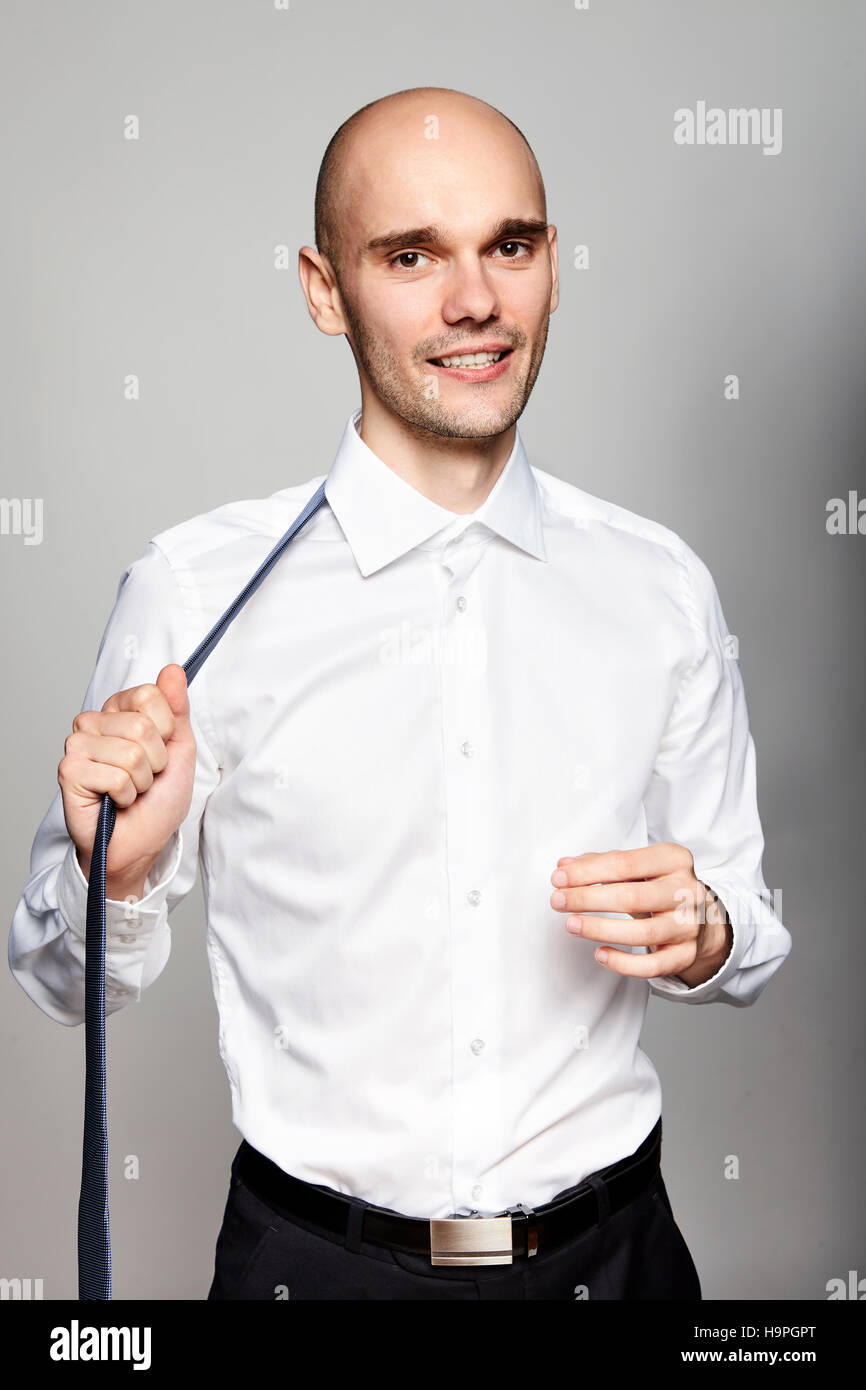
469, 292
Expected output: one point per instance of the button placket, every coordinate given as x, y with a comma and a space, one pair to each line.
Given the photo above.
463, 683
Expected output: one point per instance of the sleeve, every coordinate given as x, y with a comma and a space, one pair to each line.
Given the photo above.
702, 794
146, 630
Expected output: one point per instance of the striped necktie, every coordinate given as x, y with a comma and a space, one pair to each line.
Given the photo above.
94, 1240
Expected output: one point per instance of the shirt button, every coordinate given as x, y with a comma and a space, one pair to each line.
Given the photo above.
466, 749
473, 897
477, 1192
127, 939
477, 1045
461, 604
121, 990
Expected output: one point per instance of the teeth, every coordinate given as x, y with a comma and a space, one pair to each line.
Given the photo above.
470, 359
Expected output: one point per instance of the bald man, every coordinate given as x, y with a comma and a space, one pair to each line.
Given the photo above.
468, 780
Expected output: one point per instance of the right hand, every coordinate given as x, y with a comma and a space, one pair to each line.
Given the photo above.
141, 750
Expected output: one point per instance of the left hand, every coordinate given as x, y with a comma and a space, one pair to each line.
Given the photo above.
679, 918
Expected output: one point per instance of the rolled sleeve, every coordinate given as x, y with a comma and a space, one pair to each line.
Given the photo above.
703, 794
147, 629
137, 933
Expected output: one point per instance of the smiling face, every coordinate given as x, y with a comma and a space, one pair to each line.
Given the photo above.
444, 249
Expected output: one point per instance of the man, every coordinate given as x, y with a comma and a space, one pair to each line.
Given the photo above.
467, 779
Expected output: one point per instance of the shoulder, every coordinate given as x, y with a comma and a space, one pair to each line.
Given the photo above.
584, 509
233, 526
648, 548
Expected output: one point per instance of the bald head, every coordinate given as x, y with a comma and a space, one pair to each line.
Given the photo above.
361, 144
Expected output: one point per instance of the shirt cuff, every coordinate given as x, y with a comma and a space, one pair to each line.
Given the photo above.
128, 925
743, 930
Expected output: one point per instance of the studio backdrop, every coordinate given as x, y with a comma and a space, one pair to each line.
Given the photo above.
705, 368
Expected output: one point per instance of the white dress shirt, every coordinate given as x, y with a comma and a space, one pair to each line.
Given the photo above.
415, 716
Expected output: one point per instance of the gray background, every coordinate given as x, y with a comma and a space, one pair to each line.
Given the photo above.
157, 257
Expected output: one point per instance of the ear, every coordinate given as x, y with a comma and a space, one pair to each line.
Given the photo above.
554, 257
319, 284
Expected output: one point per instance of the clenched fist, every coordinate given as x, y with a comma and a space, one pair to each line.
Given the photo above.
139, 748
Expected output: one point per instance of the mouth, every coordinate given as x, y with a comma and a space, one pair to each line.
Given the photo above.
473, 366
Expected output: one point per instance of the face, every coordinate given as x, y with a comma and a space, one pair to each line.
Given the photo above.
446, 251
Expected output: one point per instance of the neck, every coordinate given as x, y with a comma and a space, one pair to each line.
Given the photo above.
458, 474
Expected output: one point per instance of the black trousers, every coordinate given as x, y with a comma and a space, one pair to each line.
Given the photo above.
637, 1252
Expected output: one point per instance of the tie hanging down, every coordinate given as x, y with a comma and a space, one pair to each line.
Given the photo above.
94, 1240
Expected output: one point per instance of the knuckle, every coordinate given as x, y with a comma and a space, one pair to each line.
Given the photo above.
147, 696
623, 865
694, 898
683, 909
120, 782
134, 755
156, 710
655, 933
631, 898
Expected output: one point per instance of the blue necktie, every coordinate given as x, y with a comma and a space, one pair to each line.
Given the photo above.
94, 1241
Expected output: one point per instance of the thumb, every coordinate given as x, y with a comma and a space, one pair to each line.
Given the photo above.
172, 682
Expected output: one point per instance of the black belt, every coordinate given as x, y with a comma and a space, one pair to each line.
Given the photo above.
458, 1240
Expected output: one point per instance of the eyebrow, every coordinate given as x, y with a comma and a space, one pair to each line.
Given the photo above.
436, 236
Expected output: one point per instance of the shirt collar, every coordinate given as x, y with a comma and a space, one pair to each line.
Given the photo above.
382, 516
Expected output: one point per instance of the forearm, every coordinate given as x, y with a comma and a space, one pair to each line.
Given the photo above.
47, 945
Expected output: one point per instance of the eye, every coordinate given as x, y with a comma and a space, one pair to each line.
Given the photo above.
394, 259
524, 245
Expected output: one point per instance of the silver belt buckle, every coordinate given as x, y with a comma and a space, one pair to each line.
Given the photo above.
476, 1240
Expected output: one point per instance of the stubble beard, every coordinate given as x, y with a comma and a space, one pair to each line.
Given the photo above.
421, 410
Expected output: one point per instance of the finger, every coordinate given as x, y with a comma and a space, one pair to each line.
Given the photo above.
123, 753
133, 725
651, 931
85, 778
621, 865
148, 699
656, 895
172, 683
668, 960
